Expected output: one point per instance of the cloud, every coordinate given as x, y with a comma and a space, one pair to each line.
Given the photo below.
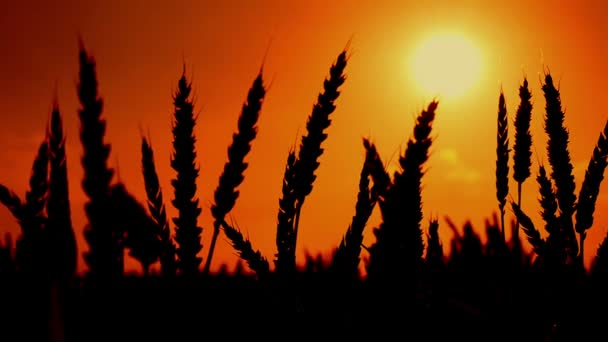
453, 168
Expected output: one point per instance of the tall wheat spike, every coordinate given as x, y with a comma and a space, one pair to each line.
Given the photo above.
561, 165
522, 147
310, 150
590, 189
399, 247
502, 159
29, 245
226, 193
104, 257
285, 261
60, 236
156, 206
183, 161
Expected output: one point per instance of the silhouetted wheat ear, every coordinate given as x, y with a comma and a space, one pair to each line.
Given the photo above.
408, 183
399, 244
310, 146
156, 206
559, 160
591, 187
434, 250
284, 261
318, 121
142, 233
347, 257
532, 234
255, 260
104, 257
226, 193
60, 236
522, 147
183, 161
502, 159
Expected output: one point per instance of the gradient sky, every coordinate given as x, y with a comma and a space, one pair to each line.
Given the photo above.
140, 47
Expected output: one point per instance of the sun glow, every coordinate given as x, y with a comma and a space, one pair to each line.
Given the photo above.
446, 65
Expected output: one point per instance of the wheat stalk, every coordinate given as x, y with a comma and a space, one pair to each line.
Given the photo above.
399, 245
226, 192
522, 147
502, 159
310, 150
183, 162
59, 229
285, 257
105, 255
561, 165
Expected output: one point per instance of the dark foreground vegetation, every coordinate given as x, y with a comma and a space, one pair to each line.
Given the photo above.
412, 288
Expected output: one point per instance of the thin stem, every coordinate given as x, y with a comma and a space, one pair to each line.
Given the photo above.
516, 232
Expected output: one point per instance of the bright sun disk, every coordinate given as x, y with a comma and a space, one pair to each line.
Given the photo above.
446, 65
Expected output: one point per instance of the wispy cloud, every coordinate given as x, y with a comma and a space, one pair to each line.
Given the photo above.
453, 168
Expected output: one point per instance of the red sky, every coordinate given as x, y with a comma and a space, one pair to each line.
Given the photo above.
140, 47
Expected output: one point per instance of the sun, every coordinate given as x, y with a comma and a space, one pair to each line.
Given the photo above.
446, 65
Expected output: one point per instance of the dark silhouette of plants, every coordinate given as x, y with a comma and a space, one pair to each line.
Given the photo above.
470, 292
156, 206
226, 192
183, 161
522, 148
142, 232
105, 255
398, 249
502, 159
59, 232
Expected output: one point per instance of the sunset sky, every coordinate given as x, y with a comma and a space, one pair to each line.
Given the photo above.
140, 47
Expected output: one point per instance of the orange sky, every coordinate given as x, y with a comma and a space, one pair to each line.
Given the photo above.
140, 47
